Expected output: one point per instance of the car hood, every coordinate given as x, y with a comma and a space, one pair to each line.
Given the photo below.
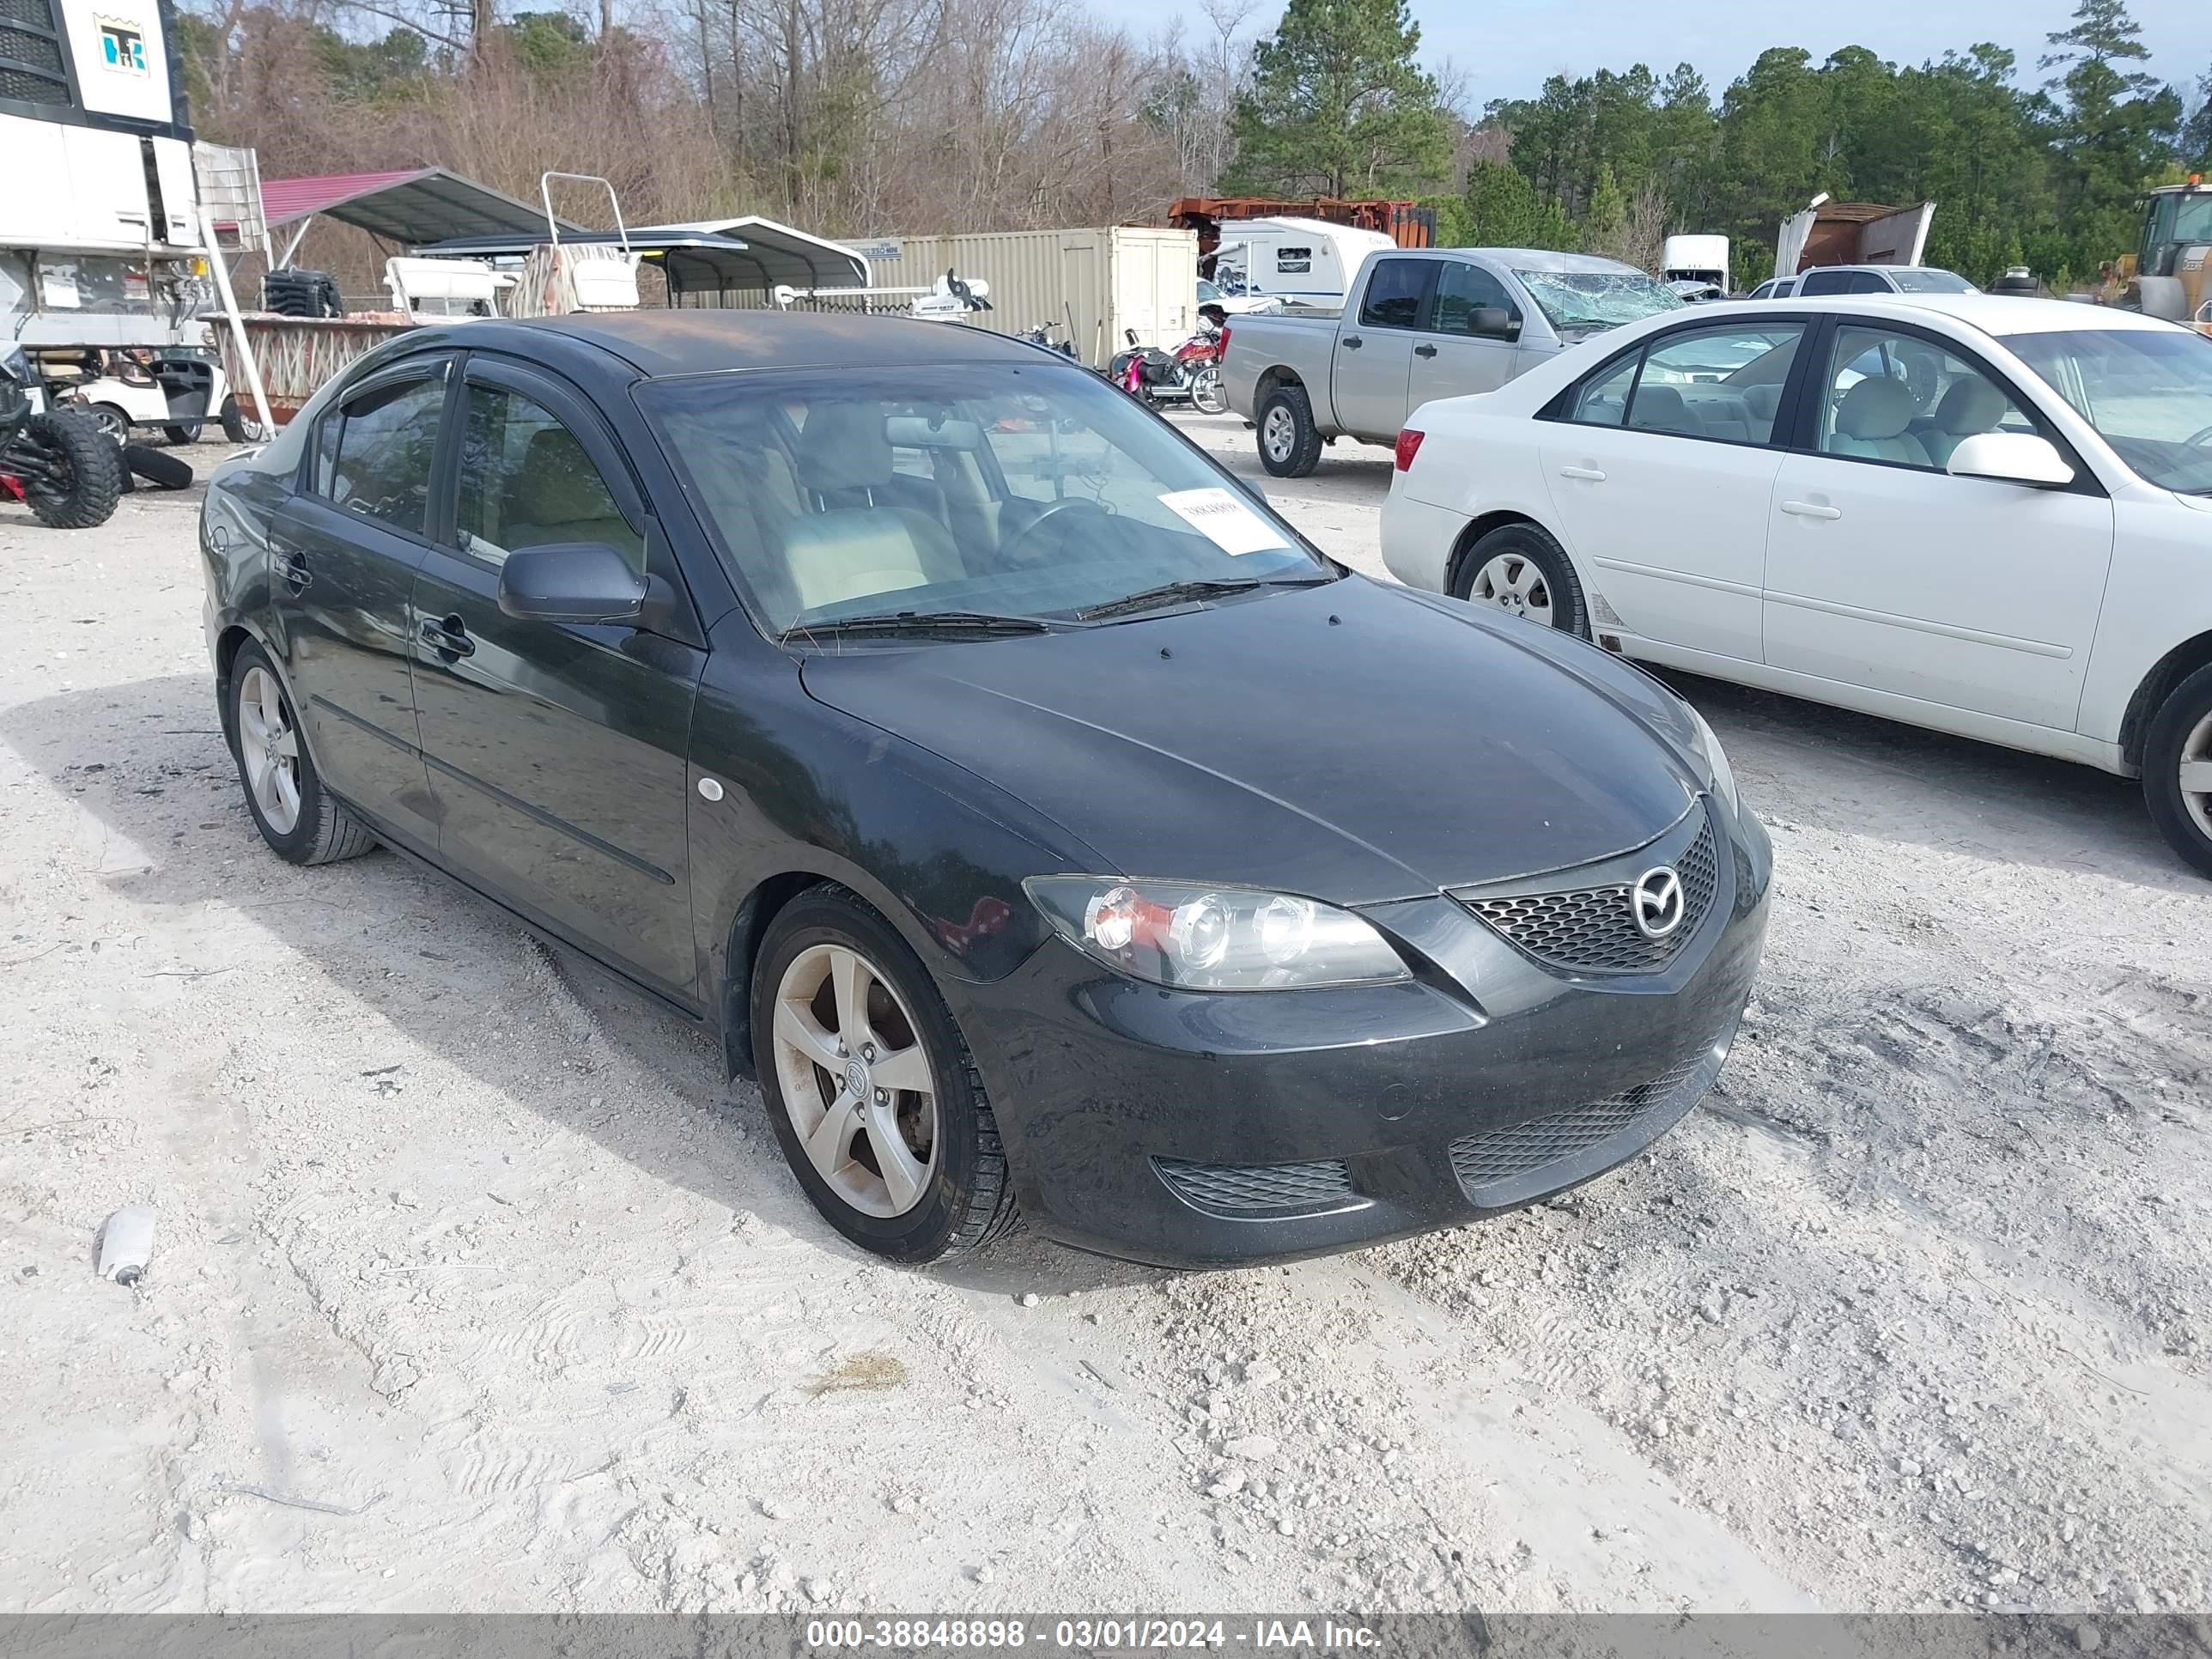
1349, 742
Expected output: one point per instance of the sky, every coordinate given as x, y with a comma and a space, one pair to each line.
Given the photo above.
1506, 47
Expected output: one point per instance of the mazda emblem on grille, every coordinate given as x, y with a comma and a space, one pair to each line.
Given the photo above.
1657, 901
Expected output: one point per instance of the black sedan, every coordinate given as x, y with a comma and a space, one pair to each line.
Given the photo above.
1045, 823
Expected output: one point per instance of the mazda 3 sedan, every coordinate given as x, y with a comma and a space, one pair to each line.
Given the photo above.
1045, 823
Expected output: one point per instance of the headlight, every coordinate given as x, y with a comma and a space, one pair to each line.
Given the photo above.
1214, 939
1717, 762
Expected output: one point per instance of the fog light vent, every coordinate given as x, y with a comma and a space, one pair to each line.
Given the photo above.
1259, 1188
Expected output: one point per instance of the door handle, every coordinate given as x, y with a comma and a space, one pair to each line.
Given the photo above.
1811, 510
448, 637
1424, 351
292, 565
1349, 342
1589, 472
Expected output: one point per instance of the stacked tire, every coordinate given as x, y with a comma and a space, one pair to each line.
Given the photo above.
290, 293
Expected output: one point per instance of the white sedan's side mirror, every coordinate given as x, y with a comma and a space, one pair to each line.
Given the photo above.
2012, 456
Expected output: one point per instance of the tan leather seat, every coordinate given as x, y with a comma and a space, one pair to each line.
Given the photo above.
1971, 407
859, 540
1871, 421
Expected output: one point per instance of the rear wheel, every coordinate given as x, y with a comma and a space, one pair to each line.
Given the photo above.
1522, 571
84, 470
237, 426
874, 1098
1207, 395
301, 822
188, 434
2178, 769
1290, 442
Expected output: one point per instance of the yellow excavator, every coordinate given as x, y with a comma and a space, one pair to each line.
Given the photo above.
2173, 275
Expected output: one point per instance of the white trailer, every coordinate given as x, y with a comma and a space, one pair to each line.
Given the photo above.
1290, 261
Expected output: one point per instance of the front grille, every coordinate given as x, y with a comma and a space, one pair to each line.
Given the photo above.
1593, 929
1485, 1160
1257, 1188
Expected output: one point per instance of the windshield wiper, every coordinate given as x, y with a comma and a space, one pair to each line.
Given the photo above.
1200, 587
919, 622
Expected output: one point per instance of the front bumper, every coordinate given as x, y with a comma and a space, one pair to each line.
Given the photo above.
1204, 1130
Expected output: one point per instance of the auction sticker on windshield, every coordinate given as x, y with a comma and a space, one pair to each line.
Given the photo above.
1223, 519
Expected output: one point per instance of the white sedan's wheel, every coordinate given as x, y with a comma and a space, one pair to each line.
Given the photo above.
1512, 582
2197, 777
269, 750
855, 1080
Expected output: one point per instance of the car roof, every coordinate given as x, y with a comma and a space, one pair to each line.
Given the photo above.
1992, 314
699, 340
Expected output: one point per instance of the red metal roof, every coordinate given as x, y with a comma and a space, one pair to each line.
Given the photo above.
286, 199
412, 205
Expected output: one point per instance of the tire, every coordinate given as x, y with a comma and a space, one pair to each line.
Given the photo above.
1290, 442
956, 1196
93, 464
113, 422
2181, 735
1520, 570
320, 828
237, 427
181, 436
1207, 395
157, 466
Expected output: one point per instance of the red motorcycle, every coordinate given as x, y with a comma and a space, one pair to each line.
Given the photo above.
1190, 375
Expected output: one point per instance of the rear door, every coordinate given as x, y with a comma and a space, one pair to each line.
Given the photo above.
1662, 465
1374, 366
346, 547
557, 752
1451, 359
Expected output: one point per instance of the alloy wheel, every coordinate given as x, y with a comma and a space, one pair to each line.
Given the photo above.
856, 1080
2196, 775
1280, 434
112, 422
1512, 582
269, 744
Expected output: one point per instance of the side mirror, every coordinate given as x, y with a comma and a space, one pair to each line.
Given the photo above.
2011, 457
570, 582
1493, 322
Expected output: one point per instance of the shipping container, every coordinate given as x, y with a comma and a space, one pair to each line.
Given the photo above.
1089, 285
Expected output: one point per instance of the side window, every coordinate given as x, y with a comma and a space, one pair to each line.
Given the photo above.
1825, 281
1723, 382
1867, 282
1393, 298
1462, 290
526, 482
1603, 400
380, 464
1890, 396
1293, 261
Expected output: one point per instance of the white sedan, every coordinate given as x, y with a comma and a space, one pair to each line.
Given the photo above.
1991, 516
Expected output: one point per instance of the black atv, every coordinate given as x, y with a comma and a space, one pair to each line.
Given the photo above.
68, 470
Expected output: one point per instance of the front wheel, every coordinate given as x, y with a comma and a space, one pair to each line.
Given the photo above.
1207, 395
80, 477
2178, 769
1523, 572
874, 1098
238, 427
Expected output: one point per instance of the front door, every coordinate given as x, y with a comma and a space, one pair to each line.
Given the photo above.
345, 550
1374, 350
1449, 359
556, 752
1885, 571
1662, 471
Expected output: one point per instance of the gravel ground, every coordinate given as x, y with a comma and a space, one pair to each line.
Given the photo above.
476, 1287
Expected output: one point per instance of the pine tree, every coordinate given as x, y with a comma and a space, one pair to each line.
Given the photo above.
1340, 105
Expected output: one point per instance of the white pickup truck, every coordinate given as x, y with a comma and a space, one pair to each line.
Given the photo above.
1418, 323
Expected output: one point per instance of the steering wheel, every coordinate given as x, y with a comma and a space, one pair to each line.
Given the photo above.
1014, 549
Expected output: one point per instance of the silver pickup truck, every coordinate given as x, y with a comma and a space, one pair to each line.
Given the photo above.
1418, 323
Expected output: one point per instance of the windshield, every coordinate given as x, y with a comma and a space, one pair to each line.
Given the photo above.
982, 489
1916, 281
1208, 293
2146, 390
1579, 300
2192, 221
